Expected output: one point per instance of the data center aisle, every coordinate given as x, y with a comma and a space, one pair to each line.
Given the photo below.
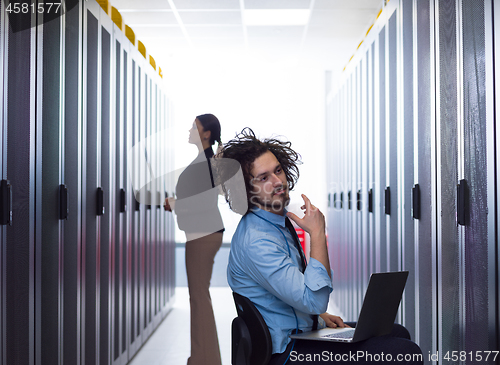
170, 344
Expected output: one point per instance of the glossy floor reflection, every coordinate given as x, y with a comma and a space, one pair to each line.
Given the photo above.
170, 343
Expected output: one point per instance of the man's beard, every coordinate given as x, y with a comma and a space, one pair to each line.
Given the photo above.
274, 205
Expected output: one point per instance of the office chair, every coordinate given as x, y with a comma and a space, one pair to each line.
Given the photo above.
251, 340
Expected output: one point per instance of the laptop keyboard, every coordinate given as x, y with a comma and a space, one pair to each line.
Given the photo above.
345, 334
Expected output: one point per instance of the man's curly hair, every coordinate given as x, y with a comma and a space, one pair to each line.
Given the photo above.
246, 148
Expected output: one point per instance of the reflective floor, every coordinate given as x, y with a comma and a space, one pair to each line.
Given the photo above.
170, 343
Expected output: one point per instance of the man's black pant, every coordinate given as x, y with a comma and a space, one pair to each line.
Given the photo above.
395, 348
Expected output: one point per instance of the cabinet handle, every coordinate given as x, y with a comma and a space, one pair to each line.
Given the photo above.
462, 198
100, 202
388, 200
63, 202
370, 201
416, 201
123, 201
158, 202
137, 204
148, 199
5, 203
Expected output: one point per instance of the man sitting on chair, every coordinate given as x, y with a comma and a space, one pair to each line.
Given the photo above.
267, 265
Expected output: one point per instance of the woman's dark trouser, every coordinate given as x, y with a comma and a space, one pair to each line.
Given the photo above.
395, 348
200, 255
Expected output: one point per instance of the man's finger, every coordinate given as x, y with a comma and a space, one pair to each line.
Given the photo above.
293, 217
307, 202
306, 199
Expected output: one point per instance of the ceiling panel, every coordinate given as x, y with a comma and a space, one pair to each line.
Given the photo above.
334, 31
294, 32
274, 45
374, 5
345, 18
154, 32
277, 4
230, 31
234, 45
206, 4
162, 47
211, 17
149, 18
143, 4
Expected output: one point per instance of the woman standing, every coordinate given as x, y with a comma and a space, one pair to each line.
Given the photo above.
199, 217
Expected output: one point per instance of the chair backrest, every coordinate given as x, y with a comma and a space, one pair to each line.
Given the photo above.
251, 340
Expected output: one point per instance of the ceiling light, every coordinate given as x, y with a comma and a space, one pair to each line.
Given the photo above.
276, 17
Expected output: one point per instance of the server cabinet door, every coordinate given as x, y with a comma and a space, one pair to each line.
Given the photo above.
18, 236
448, 238
356, 228
153, 155
148, 326
371, 187
494, 199
141, 176
135, 218
106, 234
119, 243
478, 127
392, 143
408, 239
116, 243
18, 172
72, 179
362, 190
425, 267
51, 193
170, 220
95, 176
380, 155
5, 186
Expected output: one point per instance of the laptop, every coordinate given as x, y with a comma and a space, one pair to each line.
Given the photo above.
377, 315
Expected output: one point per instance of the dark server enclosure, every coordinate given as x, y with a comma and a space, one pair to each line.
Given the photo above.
412, 127
84, 277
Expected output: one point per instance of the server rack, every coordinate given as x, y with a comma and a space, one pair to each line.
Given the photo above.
134, 284
3, 125
71, 289
409, 115
119, 243
18, 174
72, 180
431, 138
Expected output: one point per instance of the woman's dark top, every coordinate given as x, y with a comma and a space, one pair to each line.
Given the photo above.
197, 197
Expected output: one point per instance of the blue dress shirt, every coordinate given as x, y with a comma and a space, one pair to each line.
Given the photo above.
261, 269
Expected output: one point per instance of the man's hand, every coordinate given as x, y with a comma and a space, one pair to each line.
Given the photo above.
313, 220
333, 321
314, 224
